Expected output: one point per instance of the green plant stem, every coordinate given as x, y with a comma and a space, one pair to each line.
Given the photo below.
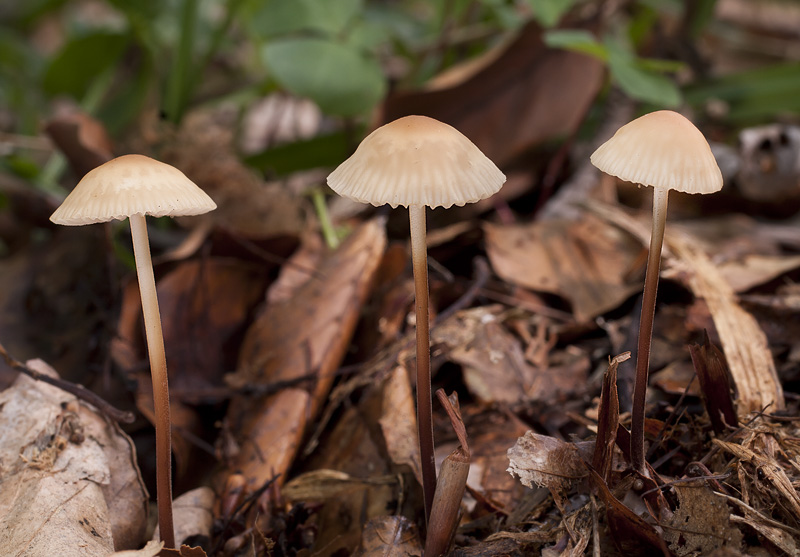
158, 373
328, 231
660, 197
419, 259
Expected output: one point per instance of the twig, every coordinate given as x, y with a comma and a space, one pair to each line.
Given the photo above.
72, 388
682, 481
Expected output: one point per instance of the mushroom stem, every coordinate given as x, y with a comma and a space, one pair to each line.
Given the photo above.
660, 197
158, 373
419, 258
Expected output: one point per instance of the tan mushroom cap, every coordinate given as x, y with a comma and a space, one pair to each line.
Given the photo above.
417, 160
661, 149
128, 185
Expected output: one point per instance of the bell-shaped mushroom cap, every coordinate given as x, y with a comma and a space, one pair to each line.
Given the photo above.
128, 185
416, 160
661, 149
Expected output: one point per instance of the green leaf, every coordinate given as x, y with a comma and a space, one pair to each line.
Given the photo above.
753, 95
548, 12
660, 65
339, 78
273, 18
638, 83
320, 151
146, 10
576, 40
81, 60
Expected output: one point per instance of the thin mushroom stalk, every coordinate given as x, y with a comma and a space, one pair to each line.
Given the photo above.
419, 258
660, 198
666, 151
158, 374
418, 162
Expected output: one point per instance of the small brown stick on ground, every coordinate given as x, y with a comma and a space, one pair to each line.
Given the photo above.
450, 485
74, 389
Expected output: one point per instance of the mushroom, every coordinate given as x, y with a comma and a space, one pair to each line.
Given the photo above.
664, 150
133, 186
416, 162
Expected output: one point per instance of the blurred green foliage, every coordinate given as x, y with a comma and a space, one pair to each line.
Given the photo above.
342, 54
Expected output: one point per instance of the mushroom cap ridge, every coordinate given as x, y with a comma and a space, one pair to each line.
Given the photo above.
416, 160
661, 149
128, 185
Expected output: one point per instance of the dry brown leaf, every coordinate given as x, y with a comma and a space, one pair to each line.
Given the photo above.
701, 524
546, 462
126, 343
674, 378
389, 536
298, 269
399, 421
305, 335
56, 474
269, 439
207, 302
585, 261
193, 513
495, 365
126, 495
743, 342
82, 139
319, 485
527, 95
754, 269
310, 332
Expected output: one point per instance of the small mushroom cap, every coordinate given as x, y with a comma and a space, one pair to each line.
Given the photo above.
128, 185
416, 160
661, 149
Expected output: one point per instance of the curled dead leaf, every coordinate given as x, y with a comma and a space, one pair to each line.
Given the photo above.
58, 495
546, 462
